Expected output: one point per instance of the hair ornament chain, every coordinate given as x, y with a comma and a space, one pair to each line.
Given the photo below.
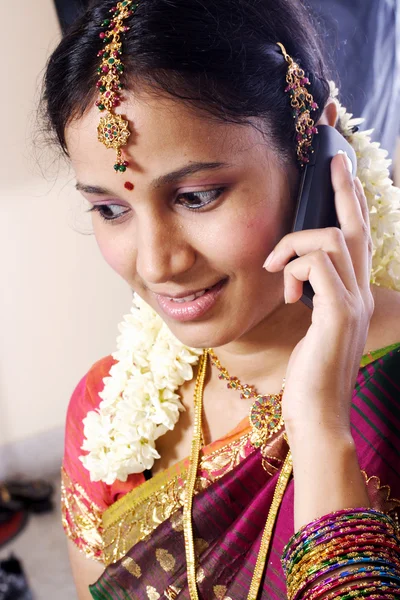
113, 130
303, 104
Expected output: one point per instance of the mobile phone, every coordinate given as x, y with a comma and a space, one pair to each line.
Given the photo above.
315, 206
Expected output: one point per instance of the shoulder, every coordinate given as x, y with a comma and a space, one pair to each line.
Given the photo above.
83, 501
85, 398
385, 323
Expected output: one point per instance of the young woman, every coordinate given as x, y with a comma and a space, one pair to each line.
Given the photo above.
212, 131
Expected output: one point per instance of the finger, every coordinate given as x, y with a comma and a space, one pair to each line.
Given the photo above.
317, 268
363, 201
365, 213
350, 217
329, 239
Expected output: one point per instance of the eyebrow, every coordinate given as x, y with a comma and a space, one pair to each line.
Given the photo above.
173, 177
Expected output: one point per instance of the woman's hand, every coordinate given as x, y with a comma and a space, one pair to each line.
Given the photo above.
323, 367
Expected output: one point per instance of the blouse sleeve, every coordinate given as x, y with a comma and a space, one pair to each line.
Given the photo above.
83, 501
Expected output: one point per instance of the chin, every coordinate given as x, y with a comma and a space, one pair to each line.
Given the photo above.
220, 325
203, 335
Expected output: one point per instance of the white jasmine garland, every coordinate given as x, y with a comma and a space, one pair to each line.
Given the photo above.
382, 196
139, 403
139, 399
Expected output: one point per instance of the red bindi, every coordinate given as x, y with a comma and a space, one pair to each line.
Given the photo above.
128, 185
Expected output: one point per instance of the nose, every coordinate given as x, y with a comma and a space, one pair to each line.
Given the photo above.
163, 253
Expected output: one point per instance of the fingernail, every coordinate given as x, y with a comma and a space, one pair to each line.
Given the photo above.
346, 160
285, 296
269, 259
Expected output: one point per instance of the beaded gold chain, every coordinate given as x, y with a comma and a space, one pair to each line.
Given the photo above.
280, 488
266, 411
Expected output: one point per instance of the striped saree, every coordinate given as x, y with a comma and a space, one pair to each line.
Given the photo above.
143, 532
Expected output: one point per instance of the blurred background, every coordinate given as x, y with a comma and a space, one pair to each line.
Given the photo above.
60, 303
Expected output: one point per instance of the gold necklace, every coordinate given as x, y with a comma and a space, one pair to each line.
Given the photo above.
266, 411
282, 482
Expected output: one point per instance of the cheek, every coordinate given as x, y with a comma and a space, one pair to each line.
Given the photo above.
115, 251
246, 241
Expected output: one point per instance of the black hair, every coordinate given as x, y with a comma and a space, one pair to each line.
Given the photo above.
217, 56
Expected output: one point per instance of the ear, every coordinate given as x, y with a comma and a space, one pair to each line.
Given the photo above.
330, 113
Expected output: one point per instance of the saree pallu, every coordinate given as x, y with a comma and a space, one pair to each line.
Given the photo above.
143, 532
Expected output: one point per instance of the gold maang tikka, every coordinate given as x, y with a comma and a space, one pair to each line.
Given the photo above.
113, 130
302, 103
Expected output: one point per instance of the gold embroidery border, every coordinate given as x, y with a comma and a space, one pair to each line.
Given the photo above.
391, 506
380, 486
135, 525
141, 519
85, 530
133, 499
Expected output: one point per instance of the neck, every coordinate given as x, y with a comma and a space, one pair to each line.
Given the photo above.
262, 354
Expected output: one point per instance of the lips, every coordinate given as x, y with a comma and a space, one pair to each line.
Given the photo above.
191, 297
189, 307
188, 296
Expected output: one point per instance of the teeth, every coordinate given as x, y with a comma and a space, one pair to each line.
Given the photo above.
189, 298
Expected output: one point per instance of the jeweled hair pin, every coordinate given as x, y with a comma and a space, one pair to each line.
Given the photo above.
303, 104
113, 130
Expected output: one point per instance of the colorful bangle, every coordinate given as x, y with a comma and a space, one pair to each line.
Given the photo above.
362, 590
361, 534
331, 549
352, 545
345, 577
295, 589
376, 545
311, 534
316, 562
317, 530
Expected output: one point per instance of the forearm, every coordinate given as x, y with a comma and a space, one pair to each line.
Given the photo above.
327, 475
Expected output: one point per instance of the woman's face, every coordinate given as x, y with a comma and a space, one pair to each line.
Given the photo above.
175, 235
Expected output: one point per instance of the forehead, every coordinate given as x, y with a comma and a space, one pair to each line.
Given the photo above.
164, 132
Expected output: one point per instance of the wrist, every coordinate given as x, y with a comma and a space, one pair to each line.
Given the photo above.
327, 475
310, 438
332, 453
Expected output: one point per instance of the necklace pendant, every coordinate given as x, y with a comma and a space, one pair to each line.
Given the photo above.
265, 418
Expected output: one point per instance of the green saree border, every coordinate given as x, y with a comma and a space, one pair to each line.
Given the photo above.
375, 354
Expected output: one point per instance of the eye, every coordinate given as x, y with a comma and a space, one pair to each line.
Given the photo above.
106, 211
199, 200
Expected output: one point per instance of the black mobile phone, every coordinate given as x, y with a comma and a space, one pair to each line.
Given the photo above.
315, 207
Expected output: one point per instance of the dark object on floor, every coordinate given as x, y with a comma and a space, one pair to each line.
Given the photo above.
11, 524
13, 584
32, 496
